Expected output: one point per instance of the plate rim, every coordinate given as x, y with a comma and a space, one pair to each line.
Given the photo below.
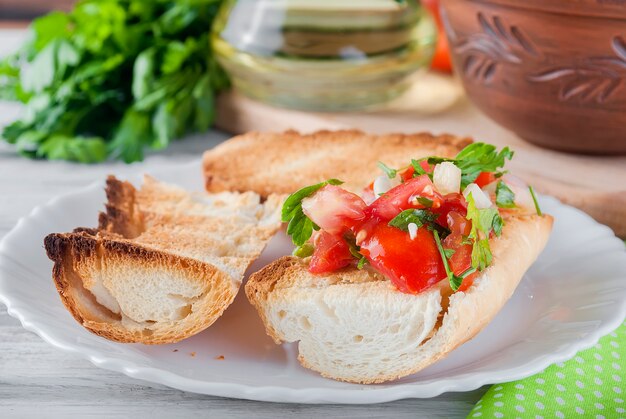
360, 394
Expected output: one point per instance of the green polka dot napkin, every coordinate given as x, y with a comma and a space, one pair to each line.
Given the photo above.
591, 385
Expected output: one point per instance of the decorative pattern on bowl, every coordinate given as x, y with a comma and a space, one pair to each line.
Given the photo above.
556, 78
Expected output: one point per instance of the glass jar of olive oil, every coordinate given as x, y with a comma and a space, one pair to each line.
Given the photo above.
323, 54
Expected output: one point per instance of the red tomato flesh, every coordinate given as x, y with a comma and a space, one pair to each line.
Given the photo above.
331, 253
412, 265
403, 197
451, 202
485, 178
334, 209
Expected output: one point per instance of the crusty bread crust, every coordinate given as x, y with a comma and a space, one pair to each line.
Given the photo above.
77, 255
467, 312
282, 163
157, 236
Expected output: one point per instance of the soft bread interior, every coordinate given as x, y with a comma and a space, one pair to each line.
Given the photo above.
354, 326
163, 264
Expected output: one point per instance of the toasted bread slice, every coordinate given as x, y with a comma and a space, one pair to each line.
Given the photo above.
163, 263
356, 326
282, 163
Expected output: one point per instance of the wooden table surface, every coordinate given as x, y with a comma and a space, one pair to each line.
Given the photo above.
38, 380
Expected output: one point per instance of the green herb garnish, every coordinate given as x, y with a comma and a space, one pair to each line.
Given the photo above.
300, 227
532, 193
472, 160
484, 221
427, 203
418, 169
455, 280
111, 78
362, 262
304, 251
420, 218
505, 198
480, 157
391, 173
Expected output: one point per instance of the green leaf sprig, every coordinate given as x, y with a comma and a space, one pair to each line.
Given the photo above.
112, 78
300, 227
420, 218
484, 221
455, 280
472, 160
505, 197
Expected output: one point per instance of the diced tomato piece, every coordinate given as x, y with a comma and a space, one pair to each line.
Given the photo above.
331, 253
407, 174
404, 196
458, 224
334, 209
451, 202
412, 265
485, 178
461, 260
428, 168
410, 172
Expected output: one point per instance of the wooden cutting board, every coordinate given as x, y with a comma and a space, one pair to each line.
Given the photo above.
597, 185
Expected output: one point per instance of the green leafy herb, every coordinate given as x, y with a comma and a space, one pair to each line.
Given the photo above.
480, 157
418, 169
449, 252
455, 280
356, 251
303, 251
112, 78
300, 226
391, 173
420, 218
505, 198
484, 221
472, 160
532, 193
427, 203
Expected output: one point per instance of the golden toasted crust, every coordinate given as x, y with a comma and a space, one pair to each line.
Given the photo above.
76, 255
159, 231
464, 316
285, 162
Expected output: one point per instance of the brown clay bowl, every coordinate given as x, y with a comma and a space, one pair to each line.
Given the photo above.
552, 71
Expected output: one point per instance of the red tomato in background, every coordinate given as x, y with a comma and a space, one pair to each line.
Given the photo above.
441, 59
334, 209
402, 197
331, 253
412, 265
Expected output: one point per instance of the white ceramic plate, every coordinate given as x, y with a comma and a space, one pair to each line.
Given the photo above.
574, 294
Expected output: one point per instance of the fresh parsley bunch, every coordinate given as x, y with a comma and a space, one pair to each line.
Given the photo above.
113, 77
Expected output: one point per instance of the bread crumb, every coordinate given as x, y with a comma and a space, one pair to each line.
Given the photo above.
220, 358
193, 354
175, 350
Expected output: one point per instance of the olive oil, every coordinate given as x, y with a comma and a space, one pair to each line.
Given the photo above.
323, 55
